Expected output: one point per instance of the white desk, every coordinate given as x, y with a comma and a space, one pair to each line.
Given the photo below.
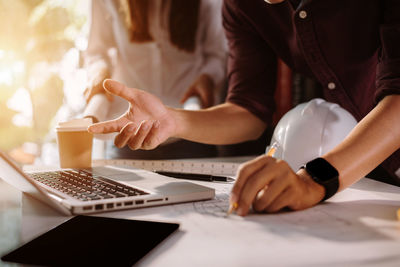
358, 227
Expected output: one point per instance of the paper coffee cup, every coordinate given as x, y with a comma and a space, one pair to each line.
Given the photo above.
75, 143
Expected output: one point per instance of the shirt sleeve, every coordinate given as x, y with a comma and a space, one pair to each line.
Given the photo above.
101, 39
388, 68
214, 42
252, 65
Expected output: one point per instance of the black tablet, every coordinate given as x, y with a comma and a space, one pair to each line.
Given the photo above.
93, 241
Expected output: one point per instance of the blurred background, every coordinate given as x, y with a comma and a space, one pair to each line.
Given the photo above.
41, 79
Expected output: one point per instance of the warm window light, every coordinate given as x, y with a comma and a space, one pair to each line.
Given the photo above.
6, 77
9, 67
18, 67
32, 76
21, 102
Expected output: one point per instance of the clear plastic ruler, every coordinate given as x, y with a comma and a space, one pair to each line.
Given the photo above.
203, 167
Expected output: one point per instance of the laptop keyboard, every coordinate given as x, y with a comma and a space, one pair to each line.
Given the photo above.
84, 185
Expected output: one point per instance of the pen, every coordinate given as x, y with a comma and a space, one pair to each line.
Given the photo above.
195, 176
272, 149
270, 152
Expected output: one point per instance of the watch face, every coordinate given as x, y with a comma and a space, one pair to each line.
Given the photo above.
321, 169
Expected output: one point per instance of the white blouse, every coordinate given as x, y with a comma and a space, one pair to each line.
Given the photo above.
157, 66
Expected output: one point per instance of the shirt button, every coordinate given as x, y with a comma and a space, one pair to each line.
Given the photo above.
303, 14
331, 86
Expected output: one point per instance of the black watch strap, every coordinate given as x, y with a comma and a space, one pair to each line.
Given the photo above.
331, 188
323, 173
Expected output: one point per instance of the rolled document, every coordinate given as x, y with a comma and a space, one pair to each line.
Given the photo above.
97, 107
192, 103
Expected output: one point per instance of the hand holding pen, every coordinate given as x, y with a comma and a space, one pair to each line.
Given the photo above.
270, 153
266, 184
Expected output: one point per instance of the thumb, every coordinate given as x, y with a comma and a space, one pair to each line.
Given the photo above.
104, 127
118, 89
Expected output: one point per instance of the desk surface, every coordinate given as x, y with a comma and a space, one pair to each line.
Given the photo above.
357, 227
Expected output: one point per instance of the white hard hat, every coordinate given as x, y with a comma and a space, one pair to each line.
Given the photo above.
310, 130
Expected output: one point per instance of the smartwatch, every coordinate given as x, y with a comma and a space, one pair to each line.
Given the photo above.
323, 173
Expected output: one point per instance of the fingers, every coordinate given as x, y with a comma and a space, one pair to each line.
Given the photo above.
136, 140
96, 88
273, 175
152, 141
245, 171
207, 97
119, 89
207, 100
86, 94
210, 101
105, 127
143, 136
89, 93
125, 134
268, 194
283, 200
205, 90
269, 185
190, 92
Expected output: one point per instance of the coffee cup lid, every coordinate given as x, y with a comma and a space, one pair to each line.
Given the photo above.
74, 125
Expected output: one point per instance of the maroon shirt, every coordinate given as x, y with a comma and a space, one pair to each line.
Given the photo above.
352, 47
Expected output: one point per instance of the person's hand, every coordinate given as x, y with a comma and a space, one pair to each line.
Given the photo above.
146, 123
268, 185
96, 86
203, 87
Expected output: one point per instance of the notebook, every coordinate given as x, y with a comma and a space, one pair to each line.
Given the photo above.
102, 188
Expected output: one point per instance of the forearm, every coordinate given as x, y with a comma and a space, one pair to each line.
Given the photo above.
100, 40
223, 124
374, 139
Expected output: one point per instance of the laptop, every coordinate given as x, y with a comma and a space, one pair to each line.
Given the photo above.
99, 189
